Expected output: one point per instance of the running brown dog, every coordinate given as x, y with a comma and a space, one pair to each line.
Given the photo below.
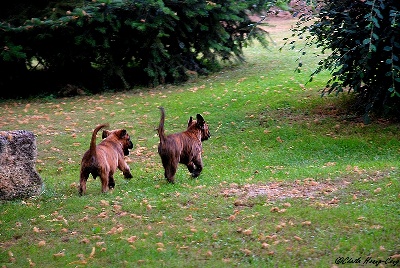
102, 160
184, 147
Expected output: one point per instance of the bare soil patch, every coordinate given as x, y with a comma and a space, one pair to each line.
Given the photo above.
324, 193
274, 191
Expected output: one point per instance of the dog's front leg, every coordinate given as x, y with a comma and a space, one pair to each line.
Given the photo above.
198, 167
125, 170
191, 167
123, 166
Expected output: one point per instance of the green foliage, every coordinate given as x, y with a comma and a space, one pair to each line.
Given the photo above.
362, 40
128, 42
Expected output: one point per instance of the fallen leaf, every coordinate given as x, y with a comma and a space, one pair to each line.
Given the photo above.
265, 245
86, 218
274, 209
298, 238
377, 190
31, 264
189, 218
246, 251
104, 203
11, 256
247, 232
59, 254
85, 241
102, 215
92, 253
334, 201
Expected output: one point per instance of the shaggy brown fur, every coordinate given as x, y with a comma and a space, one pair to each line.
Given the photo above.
184, 147
102, 160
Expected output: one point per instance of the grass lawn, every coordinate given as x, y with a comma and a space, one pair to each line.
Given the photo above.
289, 179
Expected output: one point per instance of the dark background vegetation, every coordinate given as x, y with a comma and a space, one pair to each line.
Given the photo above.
67, 47
53, 46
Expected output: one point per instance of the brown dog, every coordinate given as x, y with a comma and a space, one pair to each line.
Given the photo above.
102, 160
184, 147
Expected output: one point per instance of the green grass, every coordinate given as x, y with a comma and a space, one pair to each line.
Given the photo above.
270, 131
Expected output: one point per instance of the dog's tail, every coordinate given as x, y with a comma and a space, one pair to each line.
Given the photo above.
160, 130
93, 140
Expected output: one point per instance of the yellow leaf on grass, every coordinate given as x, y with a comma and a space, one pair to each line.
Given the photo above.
298, 238
85, 241
377, 190
189, 218
59, 254
265, 245
246, 251
247, 232
92, 253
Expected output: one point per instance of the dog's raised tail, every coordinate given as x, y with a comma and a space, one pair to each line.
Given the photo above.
160, 129
94, 134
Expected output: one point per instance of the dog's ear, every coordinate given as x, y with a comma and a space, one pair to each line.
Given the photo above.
105, 134
122, 133
200, 120
190, 121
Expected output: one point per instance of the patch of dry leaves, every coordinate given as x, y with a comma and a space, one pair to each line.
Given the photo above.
274, 191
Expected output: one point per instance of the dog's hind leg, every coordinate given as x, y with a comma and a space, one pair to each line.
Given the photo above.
170, 170
104, 182
82, 183
111, 182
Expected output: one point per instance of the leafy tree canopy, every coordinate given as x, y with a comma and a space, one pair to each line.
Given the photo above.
120, 43
362, 42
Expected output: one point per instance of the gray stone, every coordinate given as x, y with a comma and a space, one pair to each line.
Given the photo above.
18, 176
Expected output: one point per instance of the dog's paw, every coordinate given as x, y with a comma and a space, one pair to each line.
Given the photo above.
128, 176
195, 174
172, 181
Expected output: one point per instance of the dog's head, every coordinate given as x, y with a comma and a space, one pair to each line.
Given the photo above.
200, 124
120, 135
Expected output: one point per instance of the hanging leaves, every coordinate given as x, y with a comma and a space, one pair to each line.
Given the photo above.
363, 57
